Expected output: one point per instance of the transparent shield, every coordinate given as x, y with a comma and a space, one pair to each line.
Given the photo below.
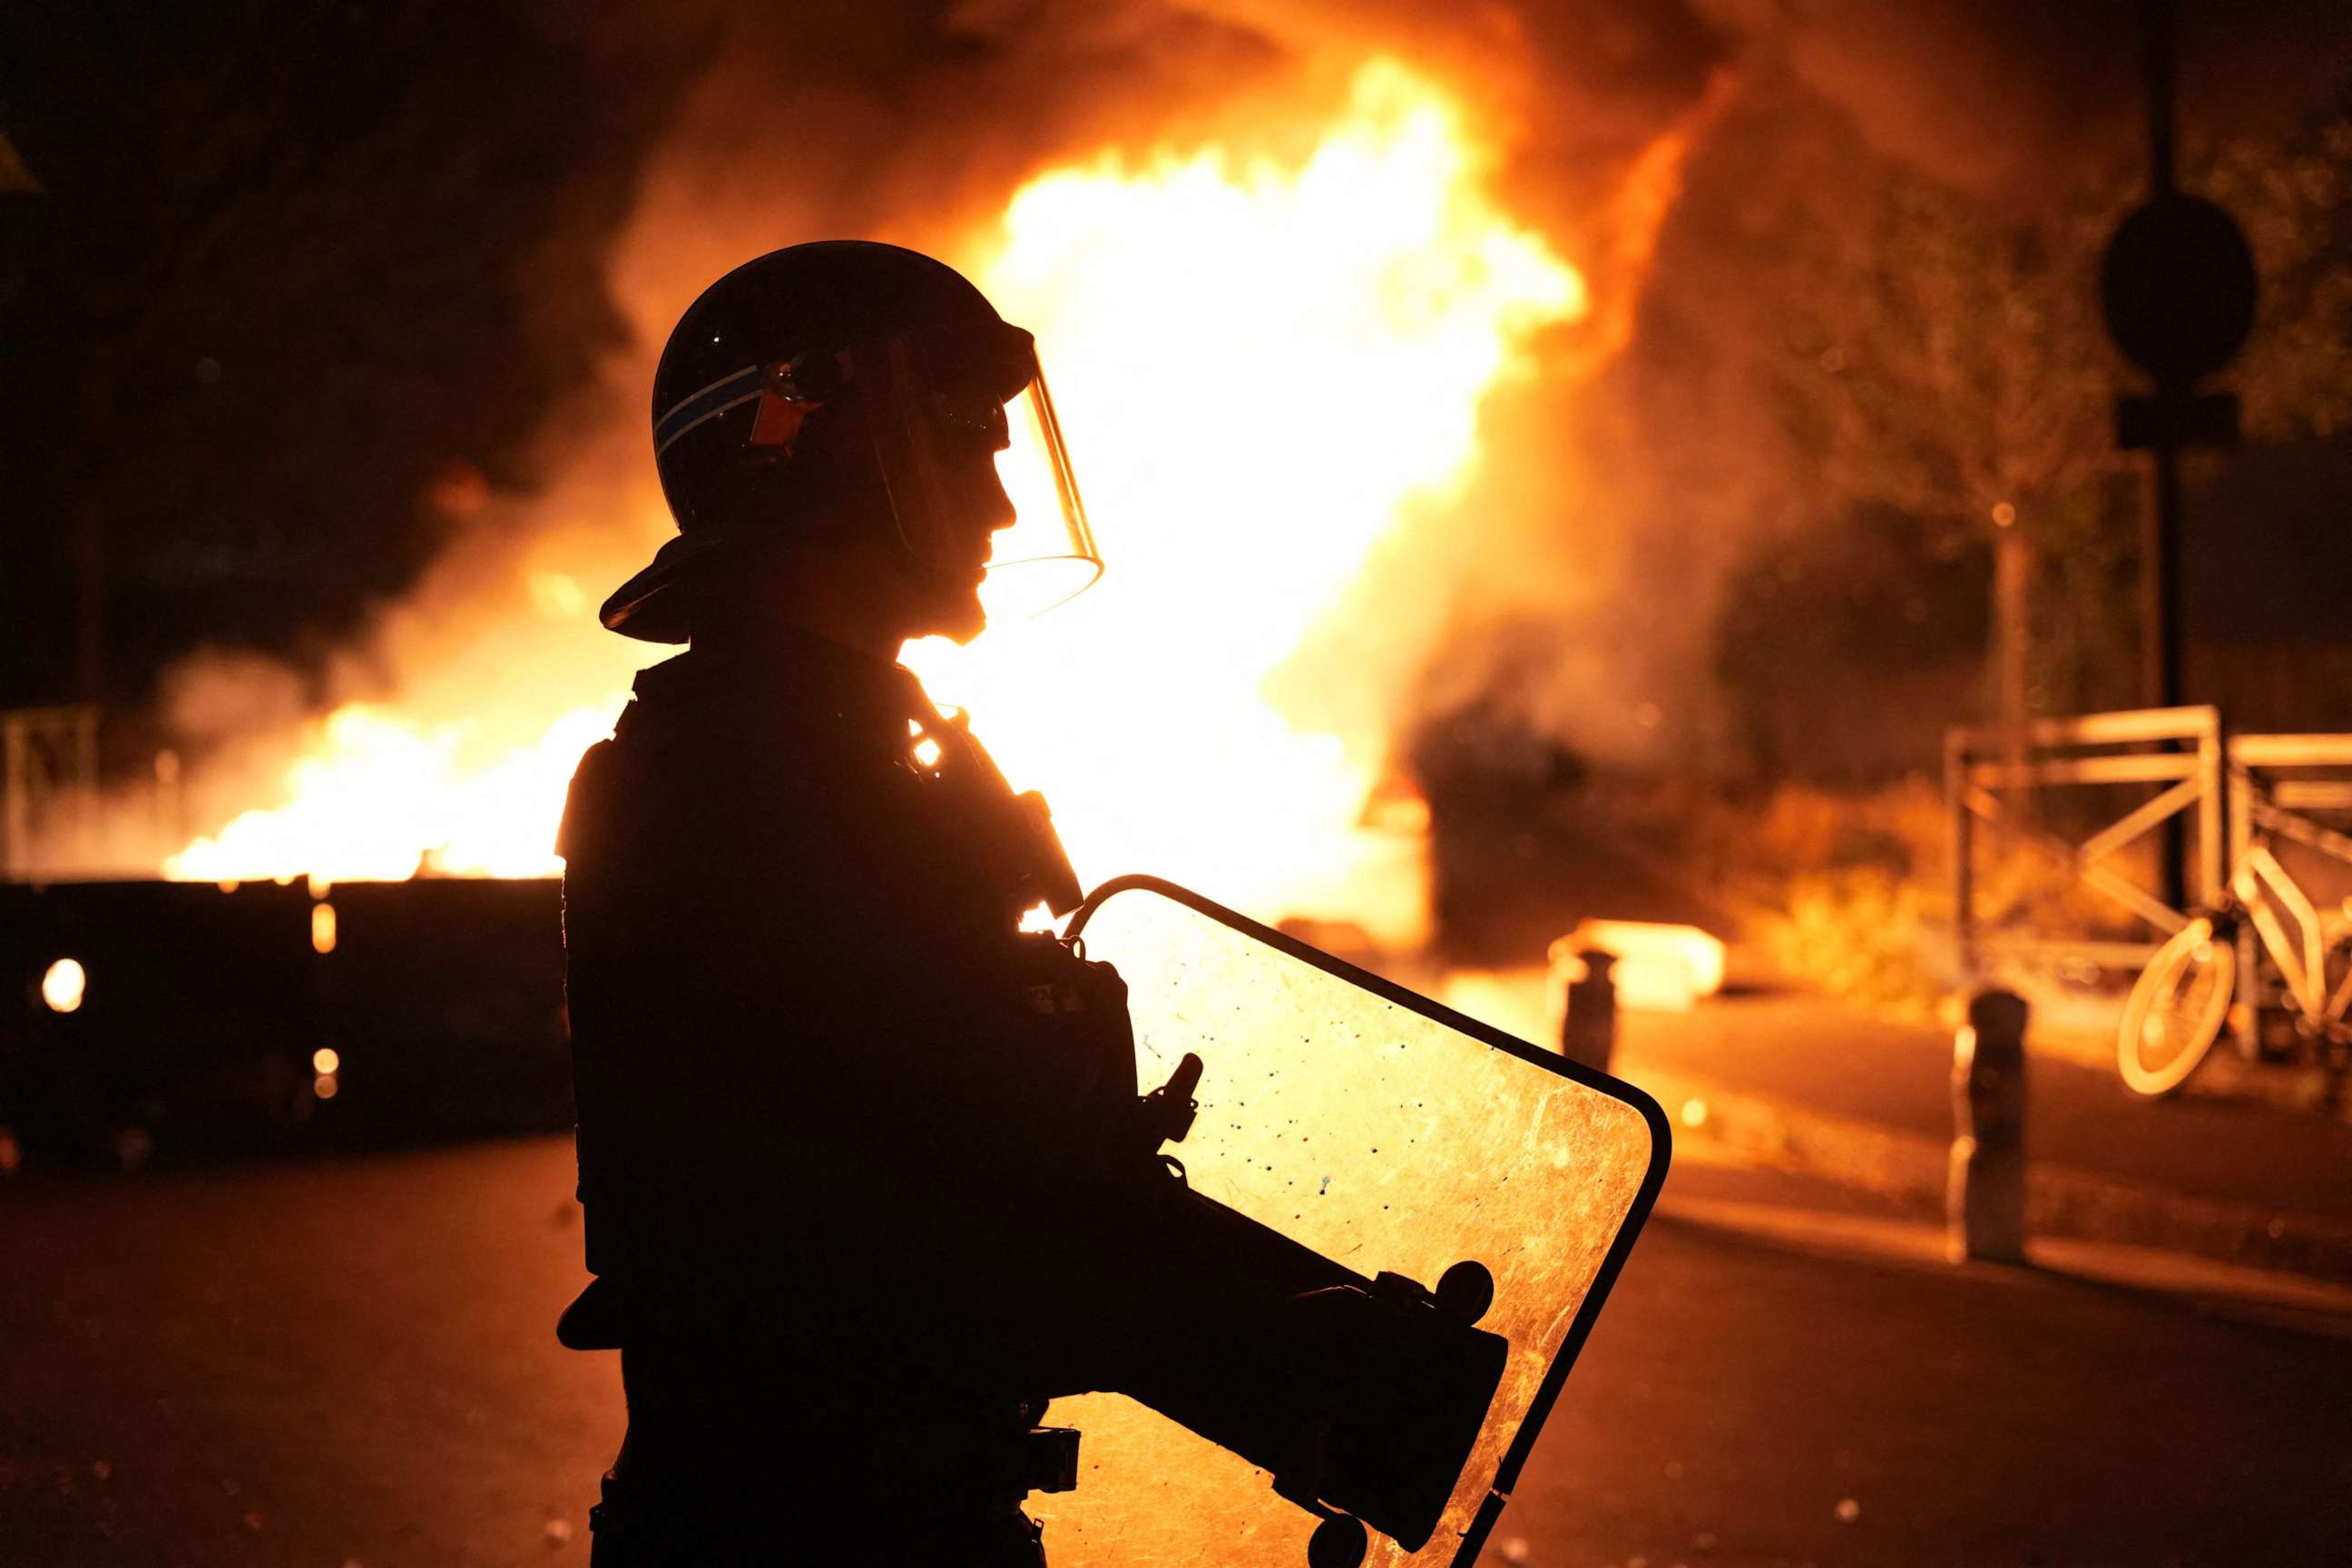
1048, 556
961, 422
1386, 1133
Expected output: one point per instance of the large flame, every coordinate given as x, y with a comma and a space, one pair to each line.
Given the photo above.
382, 798
1260, 366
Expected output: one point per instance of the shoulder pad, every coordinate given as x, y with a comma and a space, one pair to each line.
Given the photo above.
580, 802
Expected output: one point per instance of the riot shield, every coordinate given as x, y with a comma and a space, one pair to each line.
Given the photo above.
1384, 1138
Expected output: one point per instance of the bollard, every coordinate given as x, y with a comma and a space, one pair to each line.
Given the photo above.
1588, 1027
1985, 1199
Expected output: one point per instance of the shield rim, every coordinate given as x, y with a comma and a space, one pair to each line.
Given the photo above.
1646, 1197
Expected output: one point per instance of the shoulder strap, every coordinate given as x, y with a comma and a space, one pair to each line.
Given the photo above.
1023, 824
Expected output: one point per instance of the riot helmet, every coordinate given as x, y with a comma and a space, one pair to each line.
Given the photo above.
848, 388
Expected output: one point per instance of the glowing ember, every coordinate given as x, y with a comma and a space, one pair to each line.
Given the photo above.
1261, 365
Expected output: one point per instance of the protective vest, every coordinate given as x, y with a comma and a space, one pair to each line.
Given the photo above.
814, 1058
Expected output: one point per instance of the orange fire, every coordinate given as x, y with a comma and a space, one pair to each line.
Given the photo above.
1262, 365
382, 798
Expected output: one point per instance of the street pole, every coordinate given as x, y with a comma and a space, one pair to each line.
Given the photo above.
2163, 71
2161, 678
2161, 517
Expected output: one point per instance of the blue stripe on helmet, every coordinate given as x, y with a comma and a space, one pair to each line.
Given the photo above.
720, 395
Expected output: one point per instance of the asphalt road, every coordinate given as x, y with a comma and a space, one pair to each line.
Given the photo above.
1817, 1055
353, 1363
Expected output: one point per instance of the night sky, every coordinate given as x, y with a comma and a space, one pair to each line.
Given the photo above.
296, 282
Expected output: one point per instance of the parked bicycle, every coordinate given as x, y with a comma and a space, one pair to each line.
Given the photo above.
2181, 1002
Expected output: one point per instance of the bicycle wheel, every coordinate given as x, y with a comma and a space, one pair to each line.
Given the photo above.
2175, 1012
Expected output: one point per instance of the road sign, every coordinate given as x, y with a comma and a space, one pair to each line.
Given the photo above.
2178, 286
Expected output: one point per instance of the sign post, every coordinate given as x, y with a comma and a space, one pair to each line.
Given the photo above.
2176, 284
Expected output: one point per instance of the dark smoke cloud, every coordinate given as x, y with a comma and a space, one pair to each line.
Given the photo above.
2006, 96
1999, 97
906, 118
899, 120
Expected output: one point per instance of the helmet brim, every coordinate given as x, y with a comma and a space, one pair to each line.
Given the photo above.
658, 603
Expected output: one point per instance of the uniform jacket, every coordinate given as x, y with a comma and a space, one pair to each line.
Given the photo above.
831, 1113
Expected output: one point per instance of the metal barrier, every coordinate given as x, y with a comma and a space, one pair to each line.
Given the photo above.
2229, 785
2271, 789
2179, 748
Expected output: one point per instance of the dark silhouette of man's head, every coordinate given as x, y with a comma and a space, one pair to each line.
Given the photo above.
826, 423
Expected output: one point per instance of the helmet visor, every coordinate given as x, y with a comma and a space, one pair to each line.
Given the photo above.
966, 434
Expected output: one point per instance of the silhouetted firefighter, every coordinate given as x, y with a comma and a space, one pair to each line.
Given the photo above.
866, 1175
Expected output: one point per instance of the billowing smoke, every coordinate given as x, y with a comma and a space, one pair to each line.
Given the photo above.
1571, 585
914, 123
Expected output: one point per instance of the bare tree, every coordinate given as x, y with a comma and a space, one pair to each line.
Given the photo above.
2294, 201
1944, 356
1947, 360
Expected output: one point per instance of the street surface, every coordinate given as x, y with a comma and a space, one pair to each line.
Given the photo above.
352, 1362
2216, 1169
2230, 1138
1814, 1053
